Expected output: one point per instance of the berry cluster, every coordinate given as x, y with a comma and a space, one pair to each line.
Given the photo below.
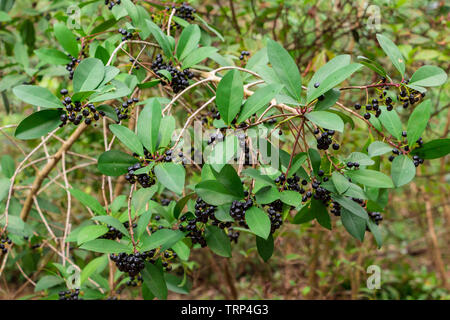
336, 208
375, 216
352, 165
203, 212
180, 79
243, 54
123, 111
146, 180
71, 65
325, 139
112, 234
131, 263
238, 209
111, 3
127, 35
185, 11
409, 96
70, 295
215, 137
5, 243
75, 111
274, 210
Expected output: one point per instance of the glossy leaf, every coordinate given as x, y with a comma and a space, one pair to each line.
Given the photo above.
258, 100
326, 120
37, 96
128, 138
171, 176
428, 76
285, 68
230, 93
402, 170
115, 163
88, 75
418, 121
258, 221
38, 124
218, 241
370, 178
392, 52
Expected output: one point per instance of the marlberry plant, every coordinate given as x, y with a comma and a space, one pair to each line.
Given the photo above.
199, 150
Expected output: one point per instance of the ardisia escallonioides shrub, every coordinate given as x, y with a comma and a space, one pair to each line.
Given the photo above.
262, 148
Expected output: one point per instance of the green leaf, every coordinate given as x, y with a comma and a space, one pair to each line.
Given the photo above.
428, 76
88, 75
182, 250
171, 176
215, 193
222, 152
297, 162
314, 156
391, 121
351, 206
88, 200
47, 282
255, 174
66, 38
188, 41
113, 222
392, 52
90, 233
373, 65
8, 166
267, 194
377, 148
148, 125
376, 232
153, 277
418, 121
198, 55
355, 225
330, 98
332, 80
434, 149
327, 69
230, 93
291, 198
402, 170
181, 204
229, 178
38, 124
37, 96
370, 178
340, 182
94, 266
258, 221
52, 56
265, 247
142, 196
143, 222
285, 68
105, 246
128, 138
115, 163
160, 37
164, 237
305, 214
167, 129
361, 158
258, 100
326, 120
218, 241
321, 214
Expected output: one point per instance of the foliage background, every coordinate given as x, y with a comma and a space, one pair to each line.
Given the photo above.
309, 261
